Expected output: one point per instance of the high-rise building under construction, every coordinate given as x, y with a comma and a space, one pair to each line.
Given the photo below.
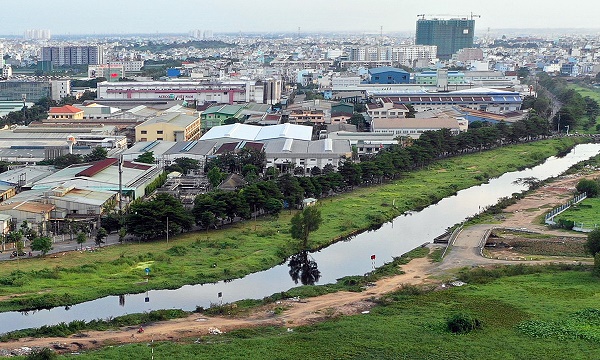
448, 35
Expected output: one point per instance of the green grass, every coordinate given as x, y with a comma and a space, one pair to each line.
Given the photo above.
594, 94
251, 246
586, 212
411, 324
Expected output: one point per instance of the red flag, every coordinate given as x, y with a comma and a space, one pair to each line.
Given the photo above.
372, 257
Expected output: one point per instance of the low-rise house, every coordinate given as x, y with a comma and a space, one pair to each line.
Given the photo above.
171, 126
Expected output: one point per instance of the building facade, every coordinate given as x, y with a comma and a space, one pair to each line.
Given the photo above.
73, 55
217, 92
169, 127
32, 91
448, 35
388, 75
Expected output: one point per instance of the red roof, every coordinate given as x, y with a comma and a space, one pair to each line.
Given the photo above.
67, 109
97, 167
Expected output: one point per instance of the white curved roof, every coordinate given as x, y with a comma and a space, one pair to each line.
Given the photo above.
256, 133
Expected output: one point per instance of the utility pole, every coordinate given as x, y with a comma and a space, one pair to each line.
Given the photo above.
121, 184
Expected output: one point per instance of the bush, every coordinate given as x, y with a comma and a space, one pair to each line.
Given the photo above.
588, 186
43, 354
177, 250
462, 323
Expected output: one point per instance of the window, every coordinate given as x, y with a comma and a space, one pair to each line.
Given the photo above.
144, 132
159, 132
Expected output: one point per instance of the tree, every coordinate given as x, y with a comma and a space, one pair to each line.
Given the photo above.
81, 238
100, 236
122, 234
305, 222
593, 242
99, 153
147, 158
359, 121
148, 219
590, 187
215, 176
42, 243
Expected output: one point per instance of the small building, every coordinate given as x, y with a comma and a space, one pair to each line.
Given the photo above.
388, 75
309, 202
385, 108
35, 213
67, 113
172, 126
216, 115
302, 116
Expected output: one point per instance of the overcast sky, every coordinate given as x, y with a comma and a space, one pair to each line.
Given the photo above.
180, 16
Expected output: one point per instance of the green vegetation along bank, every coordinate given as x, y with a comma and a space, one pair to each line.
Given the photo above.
251, 246
522, 313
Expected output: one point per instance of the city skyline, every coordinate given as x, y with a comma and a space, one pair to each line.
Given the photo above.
180, 16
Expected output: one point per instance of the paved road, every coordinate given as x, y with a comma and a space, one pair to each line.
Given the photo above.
60, 245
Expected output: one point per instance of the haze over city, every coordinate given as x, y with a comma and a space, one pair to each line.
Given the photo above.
121, 17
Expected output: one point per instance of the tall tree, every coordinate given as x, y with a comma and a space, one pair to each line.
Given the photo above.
42, 243
303, 223
148, 219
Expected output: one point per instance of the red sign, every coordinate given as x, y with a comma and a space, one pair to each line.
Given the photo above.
114, 75
372, 257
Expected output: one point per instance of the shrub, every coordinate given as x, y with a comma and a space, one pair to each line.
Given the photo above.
177, 250
462, 323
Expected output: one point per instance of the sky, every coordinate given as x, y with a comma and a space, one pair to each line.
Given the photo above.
180, 16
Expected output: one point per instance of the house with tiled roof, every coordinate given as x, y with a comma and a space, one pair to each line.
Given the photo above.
66, 112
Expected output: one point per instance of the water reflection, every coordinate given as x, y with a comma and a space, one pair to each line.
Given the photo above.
304, 268
122, 300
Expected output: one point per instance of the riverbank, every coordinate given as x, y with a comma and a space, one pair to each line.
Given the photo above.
292, 313
251, 246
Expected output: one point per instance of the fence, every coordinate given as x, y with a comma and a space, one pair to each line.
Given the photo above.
550, 216
582, 228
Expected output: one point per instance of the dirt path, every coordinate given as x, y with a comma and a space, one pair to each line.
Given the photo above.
465, 252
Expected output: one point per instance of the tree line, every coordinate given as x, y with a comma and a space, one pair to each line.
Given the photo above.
272, 192
576, 111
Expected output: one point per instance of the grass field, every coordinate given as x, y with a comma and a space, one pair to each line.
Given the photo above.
594, 94
586, 212
240, 249
546, 315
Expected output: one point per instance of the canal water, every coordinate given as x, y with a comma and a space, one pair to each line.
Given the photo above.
350, 257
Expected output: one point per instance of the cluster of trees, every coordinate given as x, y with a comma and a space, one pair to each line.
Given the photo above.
576, 111
242, 162
98, 153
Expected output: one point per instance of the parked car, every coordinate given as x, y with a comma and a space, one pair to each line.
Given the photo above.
14, 254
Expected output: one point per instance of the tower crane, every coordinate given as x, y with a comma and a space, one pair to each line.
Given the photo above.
471, 16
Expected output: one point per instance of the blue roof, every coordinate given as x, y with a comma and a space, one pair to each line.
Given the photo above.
379, 70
